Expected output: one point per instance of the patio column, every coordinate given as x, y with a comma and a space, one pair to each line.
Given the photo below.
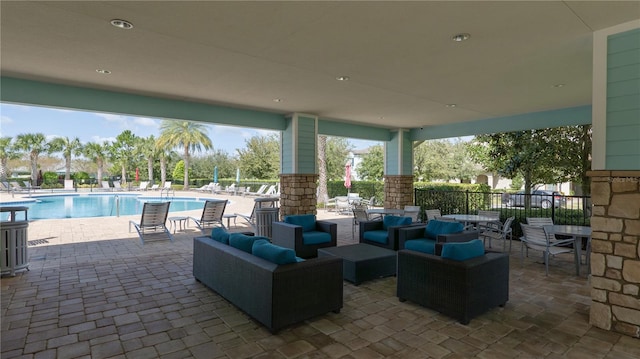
615, 181
298, 178
398, 170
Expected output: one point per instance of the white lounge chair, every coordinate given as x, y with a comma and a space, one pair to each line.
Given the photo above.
211, 214
259, 192
143, 186
155, 187
117, 186
206, 188
15, 187
154, 217
105, 186
68, 185
261, 202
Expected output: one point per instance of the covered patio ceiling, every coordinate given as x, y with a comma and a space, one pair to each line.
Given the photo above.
404, 69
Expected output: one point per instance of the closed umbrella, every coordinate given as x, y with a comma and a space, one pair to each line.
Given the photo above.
137, 174
237, 175
347, 176
215, 174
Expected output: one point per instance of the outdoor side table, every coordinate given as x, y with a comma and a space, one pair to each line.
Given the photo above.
13, 251
228, 217
178, 222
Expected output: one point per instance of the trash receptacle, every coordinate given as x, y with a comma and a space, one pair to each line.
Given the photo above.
13, 232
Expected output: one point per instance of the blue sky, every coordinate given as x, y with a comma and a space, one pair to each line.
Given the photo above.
99, 127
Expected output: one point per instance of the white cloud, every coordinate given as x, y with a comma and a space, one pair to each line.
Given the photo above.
145, 121
120, 120
6, 120
98, 139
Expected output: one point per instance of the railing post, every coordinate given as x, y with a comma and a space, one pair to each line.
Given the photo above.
467, 202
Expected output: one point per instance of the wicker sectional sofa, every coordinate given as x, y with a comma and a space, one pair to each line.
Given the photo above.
274, 295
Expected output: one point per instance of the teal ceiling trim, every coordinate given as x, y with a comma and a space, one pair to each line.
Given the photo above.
334, 128
38, 93
580, 115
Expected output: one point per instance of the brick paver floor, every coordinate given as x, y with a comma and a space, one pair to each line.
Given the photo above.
94, 291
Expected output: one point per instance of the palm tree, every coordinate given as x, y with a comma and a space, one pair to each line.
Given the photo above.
147, 149
322, 168
34, 144
98, 153
68, 147
190, 136
122, 151
7, 152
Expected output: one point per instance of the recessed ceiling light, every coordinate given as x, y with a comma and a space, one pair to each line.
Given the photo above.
122, 24
342, 78
277, 100
558, 85
451, 105
103, 71
460, 37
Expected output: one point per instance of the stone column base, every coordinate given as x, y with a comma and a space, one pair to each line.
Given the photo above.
298, 194
615, 251
398, 191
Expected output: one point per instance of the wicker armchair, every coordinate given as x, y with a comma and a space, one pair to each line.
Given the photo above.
459, 289
305, 241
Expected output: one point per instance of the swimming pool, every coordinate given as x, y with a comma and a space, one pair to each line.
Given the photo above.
98, 205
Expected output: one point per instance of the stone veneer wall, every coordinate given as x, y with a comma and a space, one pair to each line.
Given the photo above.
615, 251
398, 191
298, 194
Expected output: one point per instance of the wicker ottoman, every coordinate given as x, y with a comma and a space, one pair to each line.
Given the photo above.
362, 262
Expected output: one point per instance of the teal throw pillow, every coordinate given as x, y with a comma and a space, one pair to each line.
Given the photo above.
391, 221
220, 235
274, 254
421, 245
242, 241
461, 251
435, 228
306, 221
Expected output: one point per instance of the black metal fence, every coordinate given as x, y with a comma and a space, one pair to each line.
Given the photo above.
574, 210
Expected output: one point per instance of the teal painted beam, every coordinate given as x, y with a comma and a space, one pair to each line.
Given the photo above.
38, 93
545, 119
362, 132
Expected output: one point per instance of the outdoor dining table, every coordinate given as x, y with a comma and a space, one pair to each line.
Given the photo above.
385, 211
577, 233
471, 218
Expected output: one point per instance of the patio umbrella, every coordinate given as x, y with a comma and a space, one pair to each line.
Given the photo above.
137, 174
347, 176
215, 174
237, 175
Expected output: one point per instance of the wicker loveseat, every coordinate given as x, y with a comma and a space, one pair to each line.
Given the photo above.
274, 295
459, 289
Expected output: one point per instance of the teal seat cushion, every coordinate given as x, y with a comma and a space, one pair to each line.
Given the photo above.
274, 254
461, 251
315, 237
242, 241
220, 235
421, 245
435, 228
306, 221
378, 236
390, 221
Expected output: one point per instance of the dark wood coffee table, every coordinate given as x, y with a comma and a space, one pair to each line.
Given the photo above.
362, 262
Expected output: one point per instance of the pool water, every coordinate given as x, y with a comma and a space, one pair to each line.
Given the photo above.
82, 206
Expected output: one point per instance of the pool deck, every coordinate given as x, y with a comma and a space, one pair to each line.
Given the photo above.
94, 291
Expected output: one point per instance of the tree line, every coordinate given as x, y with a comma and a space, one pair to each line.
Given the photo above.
533, 157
